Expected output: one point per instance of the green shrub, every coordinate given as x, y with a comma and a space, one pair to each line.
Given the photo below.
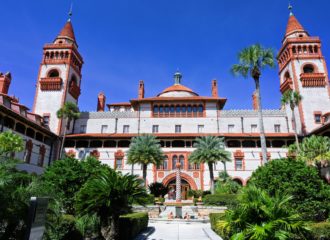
224, 199
320, 231
148, 200
214, 218
311, 196
132, 224
158, 189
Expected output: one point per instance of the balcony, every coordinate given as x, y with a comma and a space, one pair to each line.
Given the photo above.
74, 90
286, 85
312, 79
51, 84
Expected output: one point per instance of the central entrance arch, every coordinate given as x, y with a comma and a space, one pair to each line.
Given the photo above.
187, 183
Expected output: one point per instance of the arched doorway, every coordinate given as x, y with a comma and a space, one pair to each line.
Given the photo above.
185, 187
187, 183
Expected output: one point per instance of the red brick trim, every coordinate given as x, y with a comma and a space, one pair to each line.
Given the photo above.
184, 176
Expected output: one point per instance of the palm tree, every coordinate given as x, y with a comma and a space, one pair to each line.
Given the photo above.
292, 98
259, 216
251, 61
314, 150
68, 112
144, 150
209, 150
109, 195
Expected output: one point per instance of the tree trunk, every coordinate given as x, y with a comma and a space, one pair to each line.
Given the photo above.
295, 129
261, 121
225, 169
144, 174
63, 140
211, 176
114, 228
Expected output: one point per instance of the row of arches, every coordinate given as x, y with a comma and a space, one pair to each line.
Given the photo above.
177, 110
170, 162
19, 127
56, 55
173, 143
298, 50
306, 68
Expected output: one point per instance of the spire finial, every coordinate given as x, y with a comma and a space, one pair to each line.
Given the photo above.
290, 9
70, 12
177, 77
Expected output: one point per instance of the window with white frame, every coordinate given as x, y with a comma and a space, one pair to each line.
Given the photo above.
238, 164
231, 128
119, 163
155, 128
83, 128
277, 128
126, 129
254, 128
177, 128
200, 128
104, 128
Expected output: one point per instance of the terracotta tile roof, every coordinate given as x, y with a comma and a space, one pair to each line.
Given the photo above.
178, 87
293, 25
67, 31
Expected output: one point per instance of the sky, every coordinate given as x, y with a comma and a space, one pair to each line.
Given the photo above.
125, 41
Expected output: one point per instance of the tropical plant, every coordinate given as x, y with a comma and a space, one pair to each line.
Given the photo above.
65, 177
145, 150
158, 189
311, 195
251, 61
109, 195
292, 98
225, 184
260, 216
67, 113
209, 150
9, 143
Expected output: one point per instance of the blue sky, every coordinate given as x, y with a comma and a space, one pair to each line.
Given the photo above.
125, 41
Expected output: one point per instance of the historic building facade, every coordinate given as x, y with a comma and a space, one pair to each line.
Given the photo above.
178, 114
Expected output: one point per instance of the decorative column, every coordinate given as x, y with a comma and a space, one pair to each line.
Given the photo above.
178, 182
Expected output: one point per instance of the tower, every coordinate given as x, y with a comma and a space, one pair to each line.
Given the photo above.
59, 78
302, 68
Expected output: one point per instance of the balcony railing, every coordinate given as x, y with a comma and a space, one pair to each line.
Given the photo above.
74, 90
51, 84
312, 79
286, 85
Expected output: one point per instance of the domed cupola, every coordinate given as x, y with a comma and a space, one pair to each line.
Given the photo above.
177, 90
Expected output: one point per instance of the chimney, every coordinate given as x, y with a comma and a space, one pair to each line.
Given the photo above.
5, 80
141, 89
255, 100
101, 102
214, 88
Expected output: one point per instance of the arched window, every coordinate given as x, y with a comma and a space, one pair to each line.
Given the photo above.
73, 80
165, 163
249, 143
181, 159
183, 109
124, 143
167, 109
95, 144
177, 108
172, 109
310, 49
200, 108
233, 144
28, 151
47, 55
110, 144
286, 75
194, 109
308, 68
30, 132
278, 143
315, 49
189, 109
53, 73
156, 109
20, 128
161, 109
294, 50
42, 152
174, 161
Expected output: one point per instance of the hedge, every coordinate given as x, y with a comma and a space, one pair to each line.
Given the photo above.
214, 218
223, 199
130, 225
320, 231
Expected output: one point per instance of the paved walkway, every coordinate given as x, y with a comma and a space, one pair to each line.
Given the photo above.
178, 231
